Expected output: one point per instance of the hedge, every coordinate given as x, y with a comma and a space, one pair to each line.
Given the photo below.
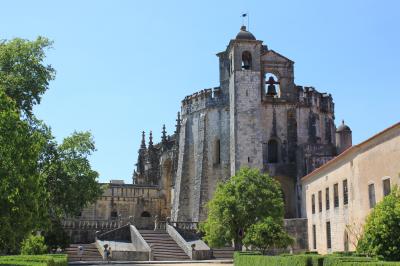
34, 260
252, 259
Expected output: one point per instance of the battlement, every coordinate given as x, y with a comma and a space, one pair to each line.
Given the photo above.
201, 100
321, 100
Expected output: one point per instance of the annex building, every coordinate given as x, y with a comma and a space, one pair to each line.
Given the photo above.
339, 195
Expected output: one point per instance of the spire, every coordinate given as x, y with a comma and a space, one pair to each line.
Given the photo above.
164, 134
178, 123
151, 140
143, 145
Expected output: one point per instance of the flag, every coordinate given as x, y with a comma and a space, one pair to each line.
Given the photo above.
244, 15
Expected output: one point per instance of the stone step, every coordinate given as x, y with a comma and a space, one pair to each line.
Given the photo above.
156, 237
163, 246
165, 258
178, 252
90, 253
160, 242
223, 253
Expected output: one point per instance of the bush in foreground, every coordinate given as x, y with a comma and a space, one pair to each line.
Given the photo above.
382, 229
33, 245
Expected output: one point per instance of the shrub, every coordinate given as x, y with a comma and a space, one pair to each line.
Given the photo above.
251, 259
33, 245
34, 260
382, 229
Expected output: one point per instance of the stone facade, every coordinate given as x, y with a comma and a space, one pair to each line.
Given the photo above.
347, 188
119, 204
257, 117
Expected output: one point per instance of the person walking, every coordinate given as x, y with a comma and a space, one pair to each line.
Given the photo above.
105, 251
80, 252
109, 255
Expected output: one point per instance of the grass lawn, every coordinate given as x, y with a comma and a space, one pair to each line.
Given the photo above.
35, 260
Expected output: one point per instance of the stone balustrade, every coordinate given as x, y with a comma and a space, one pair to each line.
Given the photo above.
92, 224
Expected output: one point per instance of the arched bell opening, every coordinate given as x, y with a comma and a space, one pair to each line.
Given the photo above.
272, 85
246, 60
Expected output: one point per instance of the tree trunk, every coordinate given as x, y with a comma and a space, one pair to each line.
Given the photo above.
238, 244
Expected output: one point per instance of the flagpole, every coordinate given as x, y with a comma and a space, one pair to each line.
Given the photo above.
248, 21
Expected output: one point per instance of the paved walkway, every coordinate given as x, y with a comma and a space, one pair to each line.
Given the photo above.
180, 264
156, 263
163, 264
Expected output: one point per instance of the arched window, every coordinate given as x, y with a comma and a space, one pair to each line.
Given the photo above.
246, 60
272, 87
272, 151
145, 214
114, 214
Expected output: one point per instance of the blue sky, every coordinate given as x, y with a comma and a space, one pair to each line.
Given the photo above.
124, 66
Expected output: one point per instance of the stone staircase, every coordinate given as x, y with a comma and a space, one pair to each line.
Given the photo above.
90, 253
163, 246
223, 253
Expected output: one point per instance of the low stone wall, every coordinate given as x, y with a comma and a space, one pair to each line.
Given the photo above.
138, 241
126, 244
297, 228
122, 251
200, 252
119, 234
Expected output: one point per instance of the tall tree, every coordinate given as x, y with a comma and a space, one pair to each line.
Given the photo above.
23, 74
70, 180
246, 199
40, 181
22, 191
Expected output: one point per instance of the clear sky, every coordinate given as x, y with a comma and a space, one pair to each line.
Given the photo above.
124, 66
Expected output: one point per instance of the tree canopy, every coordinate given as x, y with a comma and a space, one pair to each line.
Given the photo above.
23, 75
247, 203
40, 180
382, 228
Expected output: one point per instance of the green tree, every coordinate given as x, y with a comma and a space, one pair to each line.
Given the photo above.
40, 181
23, 74
245, 200
267, 234
70, 180
382, 228
22, 191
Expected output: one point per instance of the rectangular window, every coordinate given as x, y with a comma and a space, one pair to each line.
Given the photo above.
336, 195
314, 234
345, 193
313, 203
386, 187
328, 235
217, 151
327, 198
371, 195
320, 201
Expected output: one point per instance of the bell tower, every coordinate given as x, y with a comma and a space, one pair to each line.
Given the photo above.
245, 83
